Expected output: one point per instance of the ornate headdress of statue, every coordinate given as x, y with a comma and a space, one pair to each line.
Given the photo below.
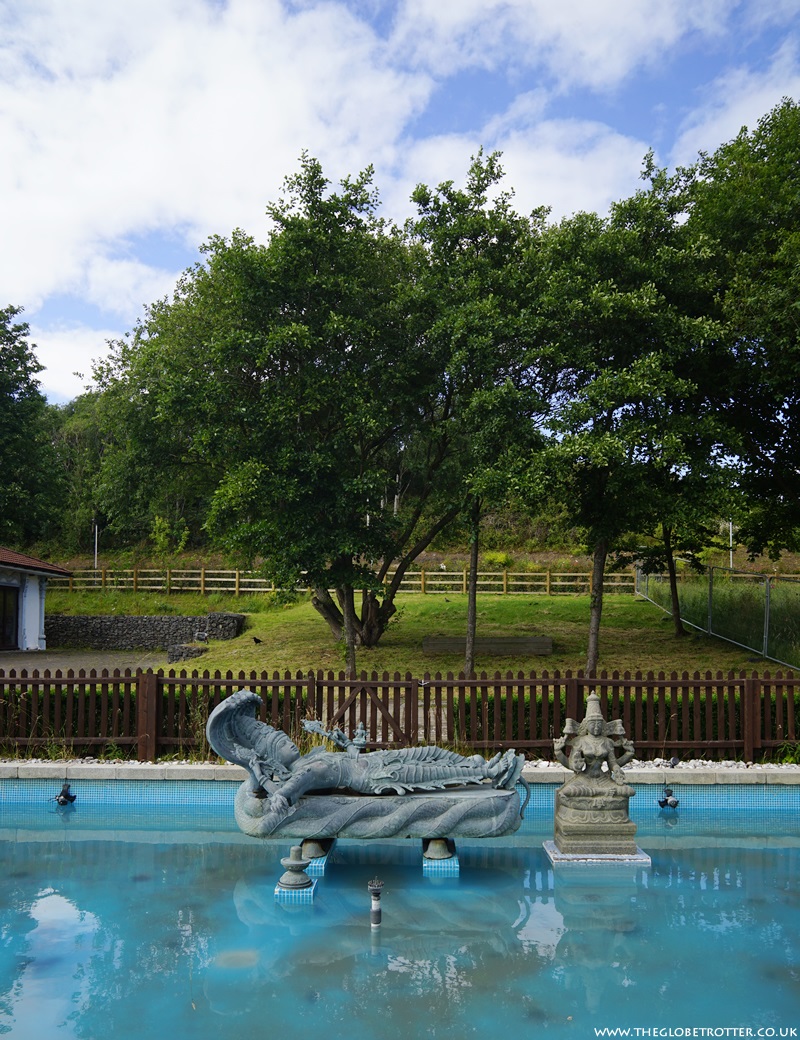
238, 736
593, 714
275, 748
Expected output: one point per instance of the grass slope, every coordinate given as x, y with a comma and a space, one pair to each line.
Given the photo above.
635, 634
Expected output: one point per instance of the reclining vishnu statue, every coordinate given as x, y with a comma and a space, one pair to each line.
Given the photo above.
415, 792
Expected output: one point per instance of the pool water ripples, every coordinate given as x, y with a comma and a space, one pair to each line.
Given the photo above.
133, 939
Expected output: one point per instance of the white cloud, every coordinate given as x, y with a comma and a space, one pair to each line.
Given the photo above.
568, 164
736, 99
122, 117
571, 165
587, 42
67, 355
125, 287
125, 123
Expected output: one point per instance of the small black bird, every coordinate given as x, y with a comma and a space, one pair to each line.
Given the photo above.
256, 639
669, 801
64, 797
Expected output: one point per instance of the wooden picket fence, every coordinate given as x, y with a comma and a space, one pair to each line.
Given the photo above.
152, 715
207, 580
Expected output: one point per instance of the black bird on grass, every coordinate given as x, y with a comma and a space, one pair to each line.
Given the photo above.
256, 639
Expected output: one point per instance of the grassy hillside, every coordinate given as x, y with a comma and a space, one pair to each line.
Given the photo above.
635, 635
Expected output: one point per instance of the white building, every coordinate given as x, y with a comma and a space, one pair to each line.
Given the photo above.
23, 581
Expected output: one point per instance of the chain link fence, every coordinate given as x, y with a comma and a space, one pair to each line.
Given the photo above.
760, 612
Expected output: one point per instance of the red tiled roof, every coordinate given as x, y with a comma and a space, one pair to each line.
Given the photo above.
9, 558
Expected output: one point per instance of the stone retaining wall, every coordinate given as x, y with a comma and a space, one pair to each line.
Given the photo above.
112, 632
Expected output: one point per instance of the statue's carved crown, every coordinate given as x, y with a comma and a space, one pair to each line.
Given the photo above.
593, 712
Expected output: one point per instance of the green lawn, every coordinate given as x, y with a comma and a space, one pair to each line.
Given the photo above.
635, 635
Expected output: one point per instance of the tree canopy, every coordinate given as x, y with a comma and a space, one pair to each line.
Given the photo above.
327, 403
745, 213
28, 475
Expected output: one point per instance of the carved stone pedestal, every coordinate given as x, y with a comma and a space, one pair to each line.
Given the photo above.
594, 824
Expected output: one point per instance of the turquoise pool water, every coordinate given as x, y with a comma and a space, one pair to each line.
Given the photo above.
118, 922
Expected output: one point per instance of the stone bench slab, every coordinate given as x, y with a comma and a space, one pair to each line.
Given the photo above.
499, 646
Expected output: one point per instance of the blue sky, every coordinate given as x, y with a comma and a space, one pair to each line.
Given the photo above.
132, 131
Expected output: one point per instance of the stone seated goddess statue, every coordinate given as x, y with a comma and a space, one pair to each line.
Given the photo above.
592, 806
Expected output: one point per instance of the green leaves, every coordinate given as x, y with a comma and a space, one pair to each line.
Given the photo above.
745, 209
328, 401
29, 479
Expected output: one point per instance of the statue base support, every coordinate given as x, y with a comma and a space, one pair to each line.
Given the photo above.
295, 886
591, 819
296, 896
638, 858
318, 853
439, 858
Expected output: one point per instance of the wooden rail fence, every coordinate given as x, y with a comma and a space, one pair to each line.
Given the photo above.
151, 715
206, 580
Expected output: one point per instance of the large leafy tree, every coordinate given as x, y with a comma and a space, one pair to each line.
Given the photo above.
80, 439
345, 440
291, 387
625, 302
745, 212
28, 475
477, 305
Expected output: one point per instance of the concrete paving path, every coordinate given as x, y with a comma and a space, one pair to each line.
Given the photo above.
76, 659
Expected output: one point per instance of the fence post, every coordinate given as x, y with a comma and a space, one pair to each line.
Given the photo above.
767, 586
572, 697
202, 581
422, 580
147, 715
547, 588
412, 712
751, 717
463, 582
311, 696
505, 581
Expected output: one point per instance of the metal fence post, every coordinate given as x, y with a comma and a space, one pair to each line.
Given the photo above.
710, 599
767, 586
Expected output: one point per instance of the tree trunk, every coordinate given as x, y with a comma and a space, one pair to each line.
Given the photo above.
351, 630
472, 589
596, 605
375, 613
375, 617
322, 602
673, 582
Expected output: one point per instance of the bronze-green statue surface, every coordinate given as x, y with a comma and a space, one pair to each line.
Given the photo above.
424, 792
591, 815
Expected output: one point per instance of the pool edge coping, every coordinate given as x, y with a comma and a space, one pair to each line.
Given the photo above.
72, 770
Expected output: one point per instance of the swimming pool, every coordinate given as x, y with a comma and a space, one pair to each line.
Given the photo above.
143, 912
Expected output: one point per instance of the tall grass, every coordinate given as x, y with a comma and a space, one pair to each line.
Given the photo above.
739, 610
